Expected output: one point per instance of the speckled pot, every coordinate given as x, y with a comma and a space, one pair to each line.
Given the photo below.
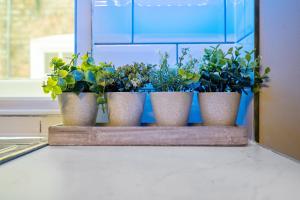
78, 110
219, 108
171, 108
125, 108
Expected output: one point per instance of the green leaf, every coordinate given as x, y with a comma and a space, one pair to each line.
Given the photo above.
90, 77
239, 48
62, 73
78, 75
222, 62
110, 69
53, 95
181, 72
256, 89
57, 90
62, 83
230, 50
267, 70
70, 80
57, 62
85, 57
51, 82
101, 100
102, 83
196, 78
90, 61
47, 89
248, 57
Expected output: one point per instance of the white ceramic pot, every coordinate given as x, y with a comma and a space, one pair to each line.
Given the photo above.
125, 108
78, 110
219, 108
171, 108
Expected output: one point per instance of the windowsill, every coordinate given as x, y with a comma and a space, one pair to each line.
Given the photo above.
25, 97
21, 89
28, 106
32, 112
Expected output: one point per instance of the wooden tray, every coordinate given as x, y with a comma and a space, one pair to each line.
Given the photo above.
148, 136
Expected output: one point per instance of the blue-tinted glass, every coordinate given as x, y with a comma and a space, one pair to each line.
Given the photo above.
112, 21
126, 54
249, 15
240, 19
174, 21
178, 20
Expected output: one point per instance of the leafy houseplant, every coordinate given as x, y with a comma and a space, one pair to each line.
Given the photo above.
124, 99
76, 88
223, 77
130, 78
173, 97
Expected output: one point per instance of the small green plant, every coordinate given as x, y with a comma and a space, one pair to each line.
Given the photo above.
70, 77
104, 78
67, 77
230, 71
180, 78
130, 78
187, 71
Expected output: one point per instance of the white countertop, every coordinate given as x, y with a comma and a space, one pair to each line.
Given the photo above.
151, 173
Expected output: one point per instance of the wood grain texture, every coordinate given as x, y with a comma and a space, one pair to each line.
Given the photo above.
147, 136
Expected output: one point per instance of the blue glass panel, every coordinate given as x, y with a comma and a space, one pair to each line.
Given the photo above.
112, 21
235, 20
249, 16
248, 42
240, 19
126, 54
179, 21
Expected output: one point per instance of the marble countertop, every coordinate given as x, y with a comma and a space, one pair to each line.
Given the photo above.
151, 173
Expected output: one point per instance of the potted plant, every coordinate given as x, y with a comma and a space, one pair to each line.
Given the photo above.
173, 94
76, 89
124, 99
223, 77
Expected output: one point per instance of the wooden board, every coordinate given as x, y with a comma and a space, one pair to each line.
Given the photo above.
148, 136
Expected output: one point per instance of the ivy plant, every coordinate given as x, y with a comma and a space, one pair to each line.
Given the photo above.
64, 77
180, 78
230, 71
70, 77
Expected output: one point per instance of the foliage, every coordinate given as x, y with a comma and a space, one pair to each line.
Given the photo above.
230, 71
188, 71
64, 77
104, 77
181, 78
69, 77
219, 71
130, 78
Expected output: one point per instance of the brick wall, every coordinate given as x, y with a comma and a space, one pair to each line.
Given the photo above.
30, 19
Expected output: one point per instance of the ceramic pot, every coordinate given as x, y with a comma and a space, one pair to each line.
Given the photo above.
219, 108
78, 110
125, 108
171, 108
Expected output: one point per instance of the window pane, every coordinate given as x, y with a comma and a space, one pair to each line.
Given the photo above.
179, 21
112, 21
31, 31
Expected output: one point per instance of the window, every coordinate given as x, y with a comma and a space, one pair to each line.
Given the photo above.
32, 31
